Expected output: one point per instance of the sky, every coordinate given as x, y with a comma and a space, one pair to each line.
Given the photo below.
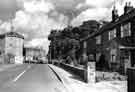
34, 19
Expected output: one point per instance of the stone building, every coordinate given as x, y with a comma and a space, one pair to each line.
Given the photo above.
33, 53
11, 48
115, 40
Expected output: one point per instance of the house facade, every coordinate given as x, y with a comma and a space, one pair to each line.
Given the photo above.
11, 48
33, 53
115, 41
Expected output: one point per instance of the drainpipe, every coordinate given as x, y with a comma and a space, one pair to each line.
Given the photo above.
85, 60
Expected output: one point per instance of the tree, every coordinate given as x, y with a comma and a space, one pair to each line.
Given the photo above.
66, 42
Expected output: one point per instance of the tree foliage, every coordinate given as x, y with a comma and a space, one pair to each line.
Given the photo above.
67, 41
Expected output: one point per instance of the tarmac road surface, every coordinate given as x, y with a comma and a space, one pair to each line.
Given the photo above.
30, 78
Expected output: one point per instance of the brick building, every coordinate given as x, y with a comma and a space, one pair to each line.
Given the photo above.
11, 48
87, 28
116, 40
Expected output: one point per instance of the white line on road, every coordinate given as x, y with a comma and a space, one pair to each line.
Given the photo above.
21, 74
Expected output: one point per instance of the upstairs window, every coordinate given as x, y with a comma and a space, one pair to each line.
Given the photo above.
98, 40
126, 30
112, 34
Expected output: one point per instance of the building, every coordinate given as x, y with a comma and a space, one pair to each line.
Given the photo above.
115, 41
33, 53
90, 27
11, 48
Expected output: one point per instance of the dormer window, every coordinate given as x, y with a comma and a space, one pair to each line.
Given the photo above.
112, 34
126, 30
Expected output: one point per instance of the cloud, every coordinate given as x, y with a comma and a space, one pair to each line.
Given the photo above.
38, 6
35, 18
8, 9
39, 42
100, 3
92, 14
99, 10
35, 23
62, 5
121, 3
67, 7
5, 27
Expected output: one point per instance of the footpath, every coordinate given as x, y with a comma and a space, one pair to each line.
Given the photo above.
7, 66
75, 84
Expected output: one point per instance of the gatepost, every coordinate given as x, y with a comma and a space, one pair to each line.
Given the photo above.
91, 69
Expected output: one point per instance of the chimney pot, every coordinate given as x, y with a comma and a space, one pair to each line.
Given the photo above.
127, 7
114, 14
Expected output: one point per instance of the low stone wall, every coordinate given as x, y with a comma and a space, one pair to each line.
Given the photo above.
82, 73
131, 79
100, 76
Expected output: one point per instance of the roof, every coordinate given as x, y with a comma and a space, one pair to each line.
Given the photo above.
110, 25
120, 20
11, 34
32, 48
126, 47
125, 41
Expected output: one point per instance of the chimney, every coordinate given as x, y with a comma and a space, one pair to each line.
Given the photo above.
127, 7
114, 14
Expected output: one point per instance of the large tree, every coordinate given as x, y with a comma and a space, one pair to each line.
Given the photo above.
66, 42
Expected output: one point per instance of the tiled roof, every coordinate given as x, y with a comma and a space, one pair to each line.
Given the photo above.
120, 20
11, 34
32, 48
14, 34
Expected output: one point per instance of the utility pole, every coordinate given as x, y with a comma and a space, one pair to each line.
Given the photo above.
50, 54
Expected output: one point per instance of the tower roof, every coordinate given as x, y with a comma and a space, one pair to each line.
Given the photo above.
11, 34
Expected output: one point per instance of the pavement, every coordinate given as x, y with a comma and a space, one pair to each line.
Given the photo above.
30, 78
75, 84
6, 66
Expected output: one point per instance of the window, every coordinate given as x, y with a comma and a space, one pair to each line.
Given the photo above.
98, 40
126, 30
113, 58
113, 55
98, 56
112, 34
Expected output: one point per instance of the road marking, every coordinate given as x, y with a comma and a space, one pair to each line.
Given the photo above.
21, 74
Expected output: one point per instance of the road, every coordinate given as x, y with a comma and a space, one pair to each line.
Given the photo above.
30, 78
